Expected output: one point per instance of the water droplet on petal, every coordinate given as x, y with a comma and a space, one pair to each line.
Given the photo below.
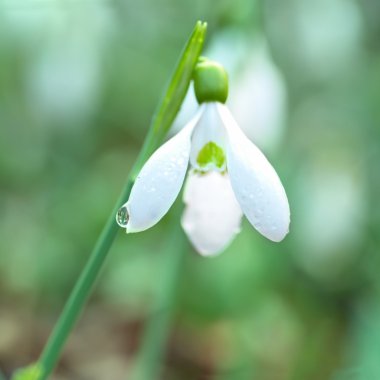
122, 217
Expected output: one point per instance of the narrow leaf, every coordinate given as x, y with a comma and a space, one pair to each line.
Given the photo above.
179, 84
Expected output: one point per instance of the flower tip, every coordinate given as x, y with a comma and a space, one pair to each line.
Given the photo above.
131, 229
201, 24
278, 235
209, 254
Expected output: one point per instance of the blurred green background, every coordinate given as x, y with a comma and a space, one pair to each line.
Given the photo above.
79, 81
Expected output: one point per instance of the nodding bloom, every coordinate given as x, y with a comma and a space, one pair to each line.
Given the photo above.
229, 176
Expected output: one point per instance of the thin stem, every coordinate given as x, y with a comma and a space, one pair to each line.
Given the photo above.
164, 117
149, 357
82, 288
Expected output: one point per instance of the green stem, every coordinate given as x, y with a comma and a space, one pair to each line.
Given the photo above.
149, 358
164, 117
82, 288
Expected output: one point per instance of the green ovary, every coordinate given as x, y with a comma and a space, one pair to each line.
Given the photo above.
211, 154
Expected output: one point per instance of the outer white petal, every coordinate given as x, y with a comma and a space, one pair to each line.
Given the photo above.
160, 180
212, 215
256, 184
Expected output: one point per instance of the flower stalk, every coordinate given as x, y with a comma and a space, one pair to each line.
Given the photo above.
161, 123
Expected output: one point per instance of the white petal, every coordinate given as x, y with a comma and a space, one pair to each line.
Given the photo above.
160, 180
208, 129
256, 184
212, 215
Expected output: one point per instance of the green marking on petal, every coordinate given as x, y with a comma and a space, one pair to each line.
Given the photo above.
211, 154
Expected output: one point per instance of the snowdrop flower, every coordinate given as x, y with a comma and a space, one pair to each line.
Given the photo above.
230, 176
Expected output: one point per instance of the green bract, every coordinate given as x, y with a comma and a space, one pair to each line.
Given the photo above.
210, 81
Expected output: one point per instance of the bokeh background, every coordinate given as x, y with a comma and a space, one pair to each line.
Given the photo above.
79, 81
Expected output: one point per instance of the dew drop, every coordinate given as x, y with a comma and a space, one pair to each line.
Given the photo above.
122, 217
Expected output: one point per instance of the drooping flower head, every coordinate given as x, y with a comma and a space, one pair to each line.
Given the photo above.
228, 177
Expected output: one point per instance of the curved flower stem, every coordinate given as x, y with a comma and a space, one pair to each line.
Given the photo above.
151, 351
161, 123
82, 289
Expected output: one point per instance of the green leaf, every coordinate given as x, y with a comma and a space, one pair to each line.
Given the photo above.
179, 84
174, 95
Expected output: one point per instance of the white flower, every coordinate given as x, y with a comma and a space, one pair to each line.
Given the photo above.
231, 176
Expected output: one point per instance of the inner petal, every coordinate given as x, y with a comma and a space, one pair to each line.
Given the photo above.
208, 141
212, 215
